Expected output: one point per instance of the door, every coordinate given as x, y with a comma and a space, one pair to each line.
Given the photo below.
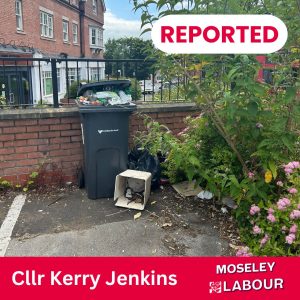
16, 87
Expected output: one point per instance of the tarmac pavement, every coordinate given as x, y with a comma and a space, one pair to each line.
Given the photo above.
69, 224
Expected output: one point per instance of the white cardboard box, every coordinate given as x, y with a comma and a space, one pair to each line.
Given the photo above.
120, 189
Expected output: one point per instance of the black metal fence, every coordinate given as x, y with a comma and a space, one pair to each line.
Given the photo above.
42, 82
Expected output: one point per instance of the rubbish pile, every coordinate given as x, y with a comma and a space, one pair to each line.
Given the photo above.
106, 98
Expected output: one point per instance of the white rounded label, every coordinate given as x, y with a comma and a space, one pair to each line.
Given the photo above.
211, 34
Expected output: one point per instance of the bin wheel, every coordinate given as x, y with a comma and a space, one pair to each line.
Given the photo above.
80, 178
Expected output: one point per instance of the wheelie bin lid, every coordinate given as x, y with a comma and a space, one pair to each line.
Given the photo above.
105, 109
106, 85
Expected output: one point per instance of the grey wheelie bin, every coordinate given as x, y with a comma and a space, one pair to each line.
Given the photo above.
105, 138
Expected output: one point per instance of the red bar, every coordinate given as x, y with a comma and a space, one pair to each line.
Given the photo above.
180, 278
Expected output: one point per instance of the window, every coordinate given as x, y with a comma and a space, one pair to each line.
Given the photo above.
47, 82
95, 74
58, 81
96, 37
75, 33
46, 23
72, 75
65, 31
94, 6
19, 15
268, 76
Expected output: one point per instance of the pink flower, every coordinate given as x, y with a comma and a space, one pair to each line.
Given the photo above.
256, 230
295, 164
294, 229
271, 211
283, 203
279, 183
290, 238
288, 170
295, 214
293, 191
254, 209
264, 240
251, 175
271, 218
244, 252
292, 165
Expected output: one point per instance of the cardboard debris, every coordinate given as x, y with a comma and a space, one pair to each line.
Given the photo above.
187, 188
121, 186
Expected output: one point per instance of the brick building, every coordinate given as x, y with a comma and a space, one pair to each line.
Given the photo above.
48, 28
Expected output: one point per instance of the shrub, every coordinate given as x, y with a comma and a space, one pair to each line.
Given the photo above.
73, 88
4, 185
135, 90
273, 227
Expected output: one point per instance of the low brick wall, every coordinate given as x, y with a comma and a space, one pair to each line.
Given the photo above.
51, 138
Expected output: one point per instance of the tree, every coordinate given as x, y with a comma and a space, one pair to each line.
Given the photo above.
222, 70
129, 48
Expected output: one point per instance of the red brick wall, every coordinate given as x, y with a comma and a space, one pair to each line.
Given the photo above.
31, 26
28, 144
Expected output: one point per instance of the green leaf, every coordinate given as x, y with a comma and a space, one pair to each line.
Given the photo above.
234, 180
145, 30
287, 142
290, 94
253, 108
232, 72
190, 173
194, 161
161, 3
273, 169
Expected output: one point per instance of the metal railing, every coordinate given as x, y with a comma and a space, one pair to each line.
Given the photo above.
43, 82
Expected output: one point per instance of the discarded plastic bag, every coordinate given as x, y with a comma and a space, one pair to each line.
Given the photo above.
142, 160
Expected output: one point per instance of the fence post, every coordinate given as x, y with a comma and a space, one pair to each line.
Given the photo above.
54, 82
